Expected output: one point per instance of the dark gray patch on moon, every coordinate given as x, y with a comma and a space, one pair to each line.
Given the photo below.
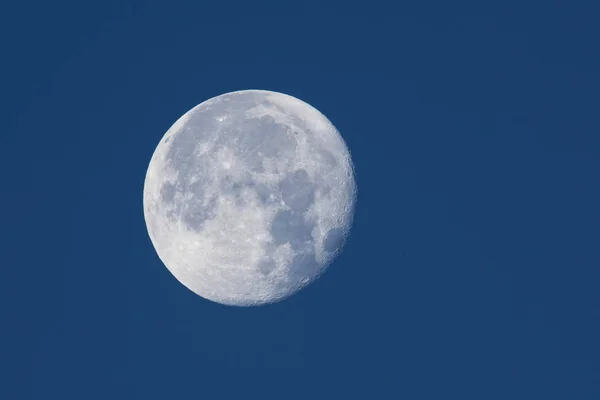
266, 267
167, 192
297, 191
196, 189
195, 213
167, 195
290, 227
261, 137
334, 240
303, 267
228, 185
264, 194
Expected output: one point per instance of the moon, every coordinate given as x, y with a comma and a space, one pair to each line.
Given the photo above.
249, 197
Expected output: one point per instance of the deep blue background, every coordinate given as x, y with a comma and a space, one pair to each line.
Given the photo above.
473, 268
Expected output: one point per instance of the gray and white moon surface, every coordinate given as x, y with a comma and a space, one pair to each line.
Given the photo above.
249, 197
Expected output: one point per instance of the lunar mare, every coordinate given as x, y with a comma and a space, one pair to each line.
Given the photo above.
249, 196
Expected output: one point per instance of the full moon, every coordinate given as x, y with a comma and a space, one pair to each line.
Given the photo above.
249, 197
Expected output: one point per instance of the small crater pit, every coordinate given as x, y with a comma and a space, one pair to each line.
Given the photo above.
304, 267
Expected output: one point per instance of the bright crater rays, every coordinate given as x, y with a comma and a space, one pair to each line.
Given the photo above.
249, 197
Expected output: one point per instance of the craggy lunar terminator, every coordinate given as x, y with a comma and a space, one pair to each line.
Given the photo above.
249, 197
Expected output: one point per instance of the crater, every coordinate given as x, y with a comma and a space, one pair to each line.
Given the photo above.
304, 267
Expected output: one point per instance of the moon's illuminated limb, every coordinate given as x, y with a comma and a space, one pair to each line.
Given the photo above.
249, 196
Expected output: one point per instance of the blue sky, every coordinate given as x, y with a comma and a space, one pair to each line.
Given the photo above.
472, 268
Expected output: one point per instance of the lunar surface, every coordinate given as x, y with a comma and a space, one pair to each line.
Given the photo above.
249, 197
